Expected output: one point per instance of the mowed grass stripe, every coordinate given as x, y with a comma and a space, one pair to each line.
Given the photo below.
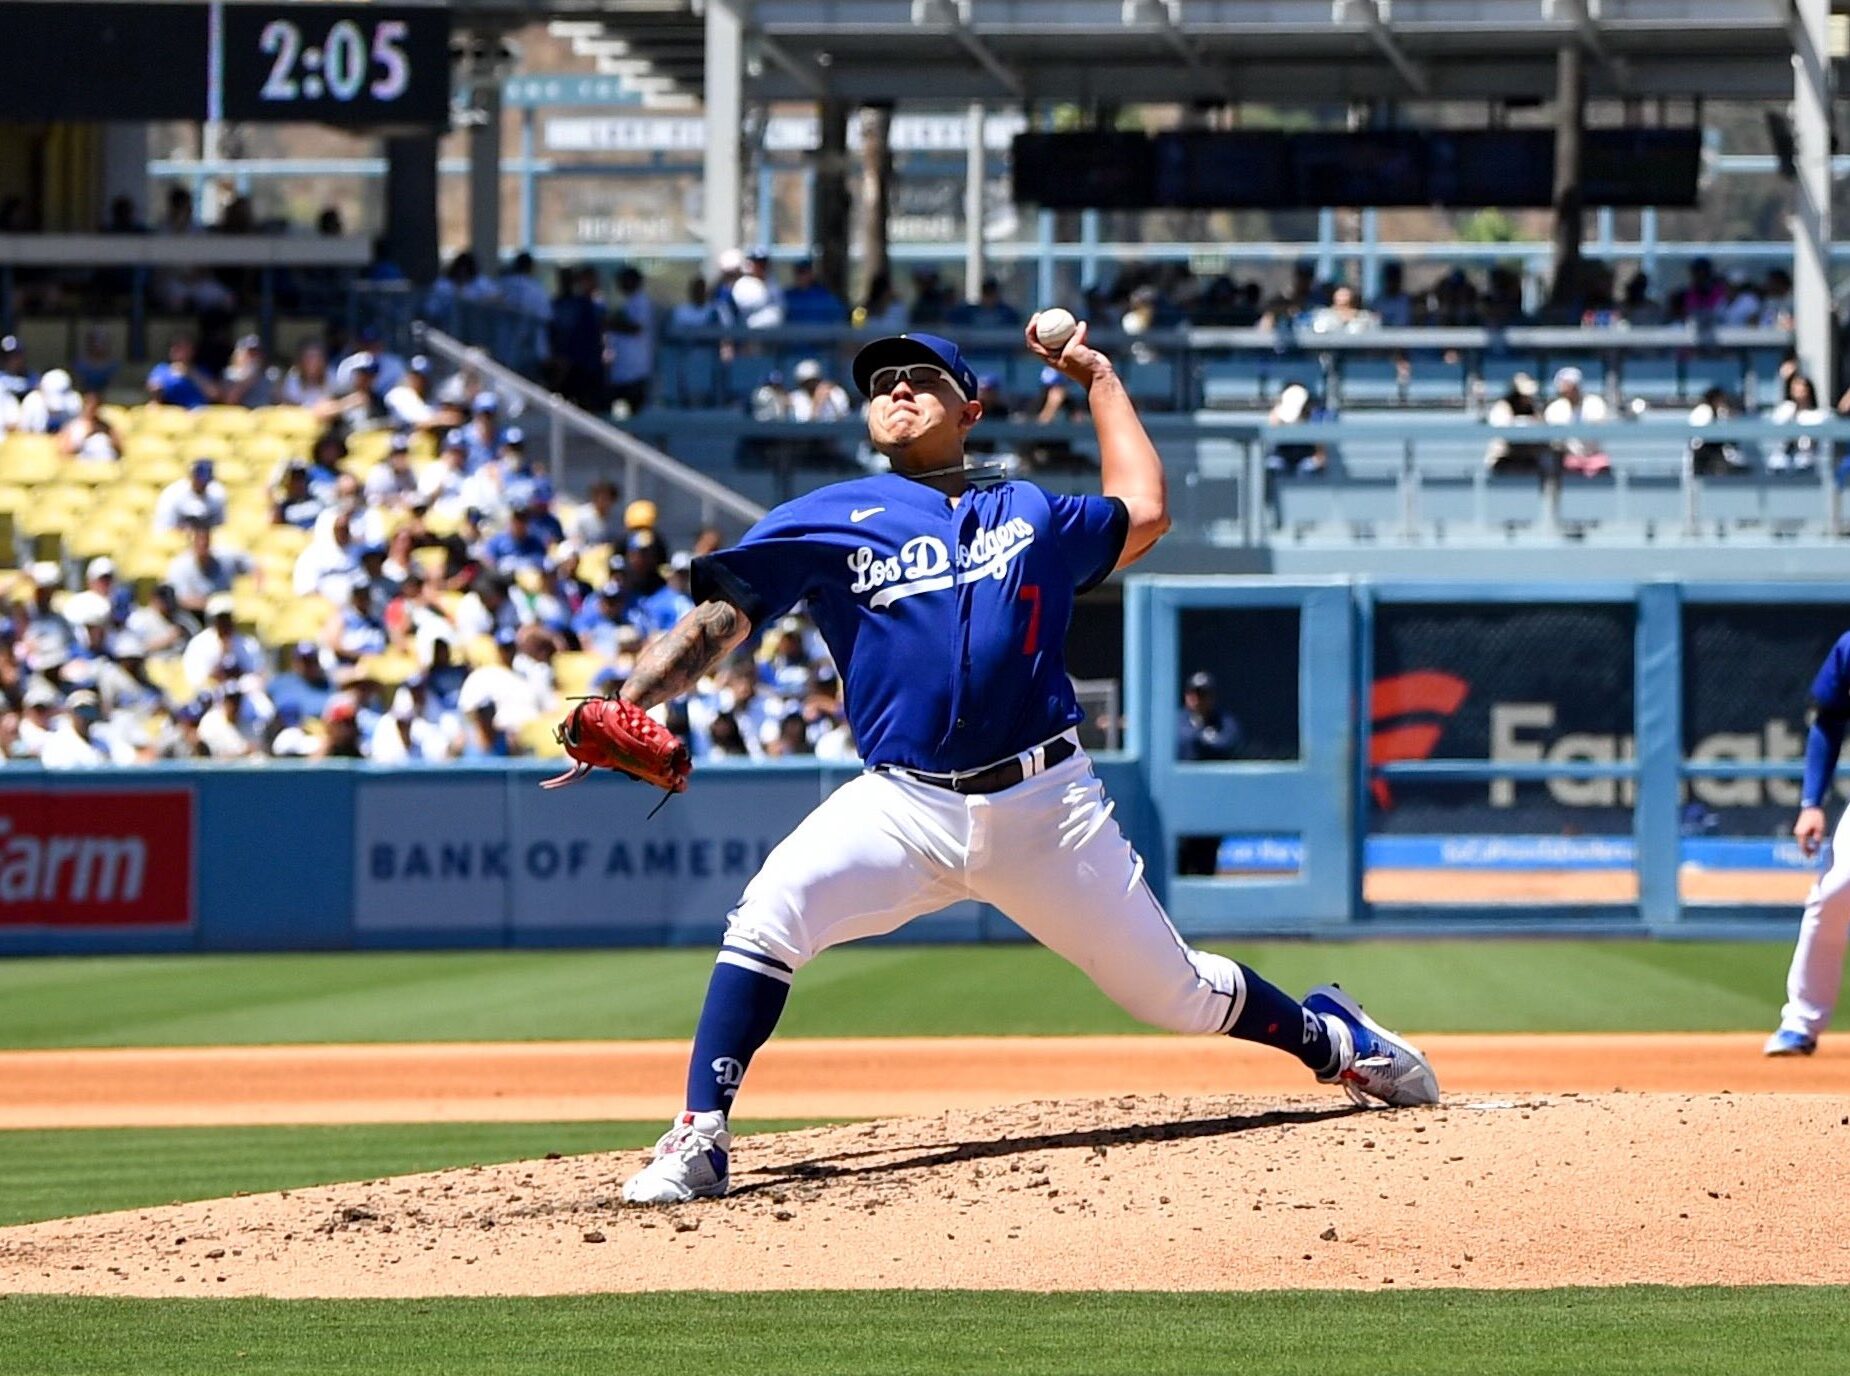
1427, 986
83, 1171
1621, 1332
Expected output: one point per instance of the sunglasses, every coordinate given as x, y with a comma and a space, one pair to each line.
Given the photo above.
917, 376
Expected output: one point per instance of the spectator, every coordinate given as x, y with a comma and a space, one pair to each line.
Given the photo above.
249, 379
1776, 301
47, 639
49, 407
76, 743
521, 292
882, 312
36, 721
102, 588
1637, 306
163, 627
354, 631
417, 727
294, 502
341, 722
576, 339
177, 382
697, 311
517, 547
308, 383
199, 572
598, 522
1206, 730
1392, 307
1743, 306
758, 300
89, 436
512, 695
331, 558
409, 404
1702, 296
220, 651
631, 342
1344, 314
989, 311
1571, 404
1518, 407
199, 494
304, 685
815, 397
362, 407
1799, 406
482, 435
728, 267
97, 365
16, 378
393, 482
808, 301
1295, 406
289, 739
388, 366
234, 726
487, 610
1714, 457
931, 298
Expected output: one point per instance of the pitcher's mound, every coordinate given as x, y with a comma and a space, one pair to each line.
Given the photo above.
1134, 1193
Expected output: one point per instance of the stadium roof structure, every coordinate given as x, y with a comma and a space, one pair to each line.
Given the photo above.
1146, 51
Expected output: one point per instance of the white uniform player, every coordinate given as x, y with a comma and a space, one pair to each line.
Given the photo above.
1817, 972
946, 607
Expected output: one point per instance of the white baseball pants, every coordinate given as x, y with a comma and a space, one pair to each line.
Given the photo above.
884, 849
1817, 972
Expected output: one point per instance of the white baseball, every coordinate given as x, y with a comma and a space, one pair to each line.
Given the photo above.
1053, 327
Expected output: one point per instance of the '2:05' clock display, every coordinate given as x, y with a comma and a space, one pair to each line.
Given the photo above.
339, 63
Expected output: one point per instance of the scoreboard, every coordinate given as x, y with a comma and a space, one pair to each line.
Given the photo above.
358, 65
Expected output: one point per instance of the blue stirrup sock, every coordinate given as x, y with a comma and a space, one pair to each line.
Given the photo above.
1273, 1017
745, 998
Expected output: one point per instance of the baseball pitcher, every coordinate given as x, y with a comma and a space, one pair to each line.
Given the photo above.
946, 607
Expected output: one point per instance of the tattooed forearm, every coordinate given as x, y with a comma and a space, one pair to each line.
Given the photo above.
673, 664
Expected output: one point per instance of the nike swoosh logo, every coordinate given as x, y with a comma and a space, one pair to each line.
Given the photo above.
861, 513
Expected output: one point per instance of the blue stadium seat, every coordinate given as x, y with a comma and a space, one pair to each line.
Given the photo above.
1152, 383
1437, 381
1658, 378
1703, 371
1235, 381
1368, 380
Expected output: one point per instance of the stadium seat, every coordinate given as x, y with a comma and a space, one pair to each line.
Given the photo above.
575, 669
30, 459
296, 424
230, 421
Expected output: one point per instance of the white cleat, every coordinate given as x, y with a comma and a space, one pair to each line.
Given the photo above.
691, 1162
1375, 1063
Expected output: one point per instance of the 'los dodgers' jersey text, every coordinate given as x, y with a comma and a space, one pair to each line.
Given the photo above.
947, 619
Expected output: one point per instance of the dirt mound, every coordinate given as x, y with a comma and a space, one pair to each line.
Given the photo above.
1132, 1193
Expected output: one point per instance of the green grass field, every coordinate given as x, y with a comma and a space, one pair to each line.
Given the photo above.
885, 991
1624, 1332
1425, 986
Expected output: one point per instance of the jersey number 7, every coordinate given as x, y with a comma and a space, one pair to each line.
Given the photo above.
1031, 640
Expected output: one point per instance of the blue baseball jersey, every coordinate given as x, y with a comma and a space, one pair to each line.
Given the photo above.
947, 620
1830, 712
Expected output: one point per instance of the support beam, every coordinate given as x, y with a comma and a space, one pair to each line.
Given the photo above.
1165, 16
976, 266
876, 188
779, 57
829, 202
1584, 16
485, 169
1570, 126
954, 16
725, 100
1811, 218
411, 204
1374, 16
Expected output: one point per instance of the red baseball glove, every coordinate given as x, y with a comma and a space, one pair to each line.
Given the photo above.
609, 733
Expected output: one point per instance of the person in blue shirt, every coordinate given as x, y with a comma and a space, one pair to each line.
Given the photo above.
517, 547
1817, 974
179, 381
945, 606
808, 301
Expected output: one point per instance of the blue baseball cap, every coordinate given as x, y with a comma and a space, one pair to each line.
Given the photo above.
900, 349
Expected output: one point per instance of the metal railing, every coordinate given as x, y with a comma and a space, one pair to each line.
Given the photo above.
611, 452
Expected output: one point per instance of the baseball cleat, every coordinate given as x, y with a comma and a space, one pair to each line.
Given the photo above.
1786, 1042
1377, 1063
690, 1162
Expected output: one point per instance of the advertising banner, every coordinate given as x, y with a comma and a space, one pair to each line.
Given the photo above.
431, 854
96, 858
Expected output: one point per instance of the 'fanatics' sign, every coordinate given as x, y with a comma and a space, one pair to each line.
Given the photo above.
81, 858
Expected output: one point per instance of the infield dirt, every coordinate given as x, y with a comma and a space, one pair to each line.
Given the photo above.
1156, 1193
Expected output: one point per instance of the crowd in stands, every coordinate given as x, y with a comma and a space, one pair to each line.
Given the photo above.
347, 558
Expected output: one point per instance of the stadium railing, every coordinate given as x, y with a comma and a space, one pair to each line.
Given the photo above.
1189, 369
1408, 479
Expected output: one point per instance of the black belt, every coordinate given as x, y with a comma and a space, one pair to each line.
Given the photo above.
996, 777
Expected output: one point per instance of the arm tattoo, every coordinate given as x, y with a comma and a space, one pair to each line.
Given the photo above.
672, 665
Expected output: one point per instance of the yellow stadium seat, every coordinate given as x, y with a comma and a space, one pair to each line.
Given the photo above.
574, 670
91, 472
265, 453
14, 497
168, 675
432, 560
30, 459
226, 420
155, 471
296, 423
140, 447
175, 422
482, 650
537, 739
390, 668
368, 447
124, 420
282, 539
214, 447
231, 470
302, 618
130, 494
594, 566
137, 563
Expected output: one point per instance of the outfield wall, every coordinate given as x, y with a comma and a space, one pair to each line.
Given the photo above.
1616, 757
